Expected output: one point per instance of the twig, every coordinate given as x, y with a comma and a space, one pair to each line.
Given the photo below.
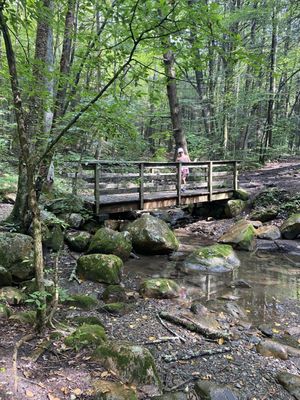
169, 329
23, 340
162, 340
172, 389
211, 352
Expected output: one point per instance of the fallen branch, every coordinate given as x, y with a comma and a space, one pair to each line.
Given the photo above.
174, 388
20, 343
158, 316
211, 352
194, 326
162, 340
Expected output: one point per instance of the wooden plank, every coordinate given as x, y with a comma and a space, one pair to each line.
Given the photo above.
141, 188
210, 180
235, 176
178, 184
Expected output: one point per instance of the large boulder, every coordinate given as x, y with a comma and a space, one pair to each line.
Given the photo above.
108, 241
132, 364
269, 348
290, 229
160, 288
241, 235
214, 258
53, 237
268, 232
16, 255
151, 235
265, 214
290, 382
234, 207
66, 205
12, 295
78, 240
106, 390
241, 194
105, 268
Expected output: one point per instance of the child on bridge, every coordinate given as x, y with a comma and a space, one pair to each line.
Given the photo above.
182, 157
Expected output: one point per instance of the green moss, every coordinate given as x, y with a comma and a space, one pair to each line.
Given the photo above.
25, 317
108, 241
12, 295
78, 241
82, 301
241, 194
216, 250
4, 311
114, 293
160, 288
5, 277
100, 268
117, 308
88, 320
86, 336
106, 390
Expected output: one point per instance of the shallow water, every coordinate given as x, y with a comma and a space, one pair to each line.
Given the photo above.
274, 277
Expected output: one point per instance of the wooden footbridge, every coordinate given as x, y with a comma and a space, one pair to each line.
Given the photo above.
116, 186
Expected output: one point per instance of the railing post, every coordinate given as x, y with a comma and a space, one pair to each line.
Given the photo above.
141, 194
235, 176
178, 183
210, 180
97, 187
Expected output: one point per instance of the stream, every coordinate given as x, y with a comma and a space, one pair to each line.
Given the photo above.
273, 277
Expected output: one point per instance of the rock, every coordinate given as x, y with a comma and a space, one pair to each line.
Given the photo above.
4, 311
269, 232
5, 277
83, 302
16, 250
152, 236
118, 308
234, 208
214, 258
290, 229
160, 288
256, 224
235, 311
266, 330
207, 390
9, 198
241, 194
114, 294
265, 214
53, 237
85, 320
105, 268
132, 364
78, 240
199, 309
73, 220
240, 283
173, 396
106, 390
241, 235
107, 241
12, 295
290, 382
269, 348
86, 336
30, 286
67, 204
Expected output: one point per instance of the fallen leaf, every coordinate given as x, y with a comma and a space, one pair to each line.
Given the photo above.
275, 330
276, 324
228, 357
77, 391
151, 338
51, 397
104, 374
29, 393
221, 341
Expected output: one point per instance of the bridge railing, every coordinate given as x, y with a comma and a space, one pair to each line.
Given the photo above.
125, 179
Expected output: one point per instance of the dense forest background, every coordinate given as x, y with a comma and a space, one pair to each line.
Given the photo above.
135, 75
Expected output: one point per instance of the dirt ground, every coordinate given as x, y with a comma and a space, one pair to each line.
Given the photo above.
60, 373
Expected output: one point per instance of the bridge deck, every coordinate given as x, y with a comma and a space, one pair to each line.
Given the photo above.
123, 186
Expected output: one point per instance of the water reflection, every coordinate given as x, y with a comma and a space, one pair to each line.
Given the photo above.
273, 278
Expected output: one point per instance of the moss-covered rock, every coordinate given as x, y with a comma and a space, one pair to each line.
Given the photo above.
73, 220
5, 277
106, 390
133, 364
159, 288
12, 295
152, 236
119, 308
78, 240
83, 302
105, 268
265, 214
16, 252
269, 348
241, 235
68, 204
290, 229
30, 286
234, 207
214, 258
4, 311
107, 241
25, 317
86, 336
113, 294
269, 232
241, 194
53, 237
86, 320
